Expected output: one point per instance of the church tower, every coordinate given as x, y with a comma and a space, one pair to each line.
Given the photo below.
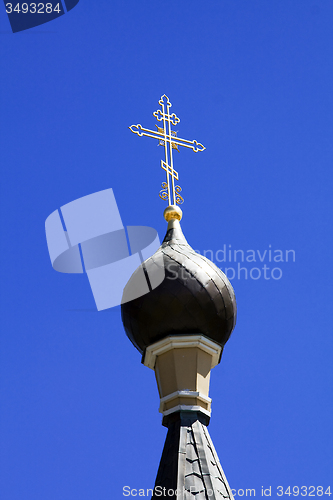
181, 327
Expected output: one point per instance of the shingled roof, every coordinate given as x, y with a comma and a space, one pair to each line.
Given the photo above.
189, 462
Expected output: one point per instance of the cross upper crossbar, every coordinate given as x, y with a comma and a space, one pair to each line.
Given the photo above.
138, 129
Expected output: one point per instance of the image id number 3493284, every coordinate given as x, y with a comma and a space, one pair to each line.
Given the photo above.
33, 8
304, 491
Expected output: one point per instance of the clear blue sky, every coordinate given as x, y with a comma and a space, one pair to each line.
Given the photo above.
251, 80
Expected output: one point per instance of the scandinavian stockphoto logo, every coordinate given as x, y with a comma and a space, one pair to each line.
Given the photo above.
87, 235
26, 15
247, 264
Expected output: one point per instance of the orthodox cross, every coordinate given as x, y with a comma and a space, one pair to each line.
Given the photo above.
168, 138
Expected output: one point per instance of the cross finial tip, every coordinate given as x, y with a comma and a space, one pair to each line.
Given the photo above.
165, 100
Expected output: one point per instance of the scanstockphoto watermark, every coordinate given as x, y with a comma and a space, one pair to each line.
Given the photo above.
163, 492
251, 264
264, 491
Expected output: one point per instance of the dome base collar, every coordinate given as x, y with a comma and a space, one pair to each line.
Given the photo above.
182, 341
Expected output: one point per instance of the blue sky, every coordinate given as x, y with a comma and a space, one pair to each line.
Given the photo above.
251, 80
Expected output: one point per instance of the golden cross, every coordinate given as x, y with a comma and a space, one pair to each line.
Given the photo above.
168, 138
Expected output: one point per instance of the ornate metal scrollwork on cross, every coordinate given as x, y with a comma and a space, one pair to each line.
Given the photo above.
164, 191
179, 199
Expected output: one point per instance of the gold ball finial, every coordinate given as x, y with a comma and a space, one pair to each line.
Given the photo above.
172, 212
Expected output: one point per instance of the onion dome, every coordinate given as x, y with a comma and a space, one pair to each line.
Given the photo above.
194, 297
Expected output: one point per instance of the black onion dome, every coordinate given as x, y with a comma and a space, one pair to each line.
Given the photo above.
195, 296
